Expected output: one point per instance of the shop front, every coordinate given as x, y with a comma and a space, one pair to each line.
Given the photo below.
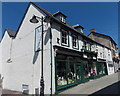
68, 71
101, 68
89, 63
72, 68
68, 68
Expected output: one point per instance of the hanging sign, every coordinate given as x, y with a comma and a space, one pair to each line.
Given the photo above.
38, 38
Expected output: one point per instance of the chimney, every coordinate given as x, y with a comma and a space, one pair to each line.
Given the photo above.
93, 30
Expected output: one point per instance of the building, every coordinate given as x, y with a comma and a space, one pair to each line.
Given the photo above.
104, 39
69, 57
108, 42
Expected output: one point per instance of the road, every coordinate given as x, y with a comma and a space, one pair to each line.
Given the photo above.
104, 85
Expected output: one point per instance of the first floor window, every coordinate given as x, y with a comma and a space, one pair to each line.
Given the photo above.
84, 44
64, 36
75, 41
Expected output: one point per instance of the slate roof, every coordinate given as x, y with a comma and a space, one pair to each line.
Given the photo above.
103, 36
11, 33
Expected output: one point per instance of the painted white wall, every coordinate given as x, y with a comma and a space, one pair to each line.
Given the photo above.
57, 34
22, 70
106, 55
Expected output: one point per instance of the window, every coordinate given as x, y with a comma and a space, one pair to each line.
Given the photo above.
108, 53
84, 44
75, 41
64, 37
81, 30
88, 46
61, 73
86, 70
100, 54
62, 19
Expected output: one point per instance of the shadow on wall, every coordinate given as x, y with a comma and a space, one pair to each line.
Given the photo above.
47, 36
112, 90
35, 57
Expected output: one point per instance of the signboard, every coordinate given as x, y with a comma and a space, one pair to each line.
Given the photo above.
38, 38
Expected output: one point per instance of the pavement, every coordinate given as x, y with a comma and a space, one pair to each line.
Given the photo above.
109, 84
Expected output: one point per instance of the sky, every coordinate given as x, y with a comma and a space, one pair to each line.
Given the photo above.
100, 15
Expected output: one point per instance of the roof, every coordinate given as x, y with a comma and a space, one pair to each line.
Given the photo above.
63, 24
11, 33
14, 33
57, 13
104, 36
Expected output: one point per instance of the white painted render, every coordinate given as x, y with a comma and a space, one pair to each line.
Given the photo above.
107, 55
25, 67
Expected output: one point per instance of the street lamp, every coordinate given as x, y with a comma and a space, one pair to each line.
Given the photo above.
35, 20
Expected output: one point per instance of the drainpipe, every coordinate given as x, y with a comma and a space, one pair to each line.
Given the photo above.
51, 56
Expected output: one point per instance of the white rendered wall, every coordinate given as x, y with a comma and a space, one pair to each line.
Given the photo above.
25, 67
107, 57
57, 34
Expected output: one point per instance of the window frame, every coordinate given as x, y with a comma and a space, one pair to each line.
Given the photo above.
63, 44
77, 42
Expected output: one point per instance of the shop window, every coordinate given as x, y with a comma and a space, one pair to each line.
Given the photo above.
71, 73
64, 37
86, 70
67, 71
93, 69
101, 68
74, 41
61, 73
78, 72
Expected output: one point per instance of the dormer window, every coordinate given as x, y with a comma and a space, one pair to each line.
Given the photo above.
60, 16
62, 19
